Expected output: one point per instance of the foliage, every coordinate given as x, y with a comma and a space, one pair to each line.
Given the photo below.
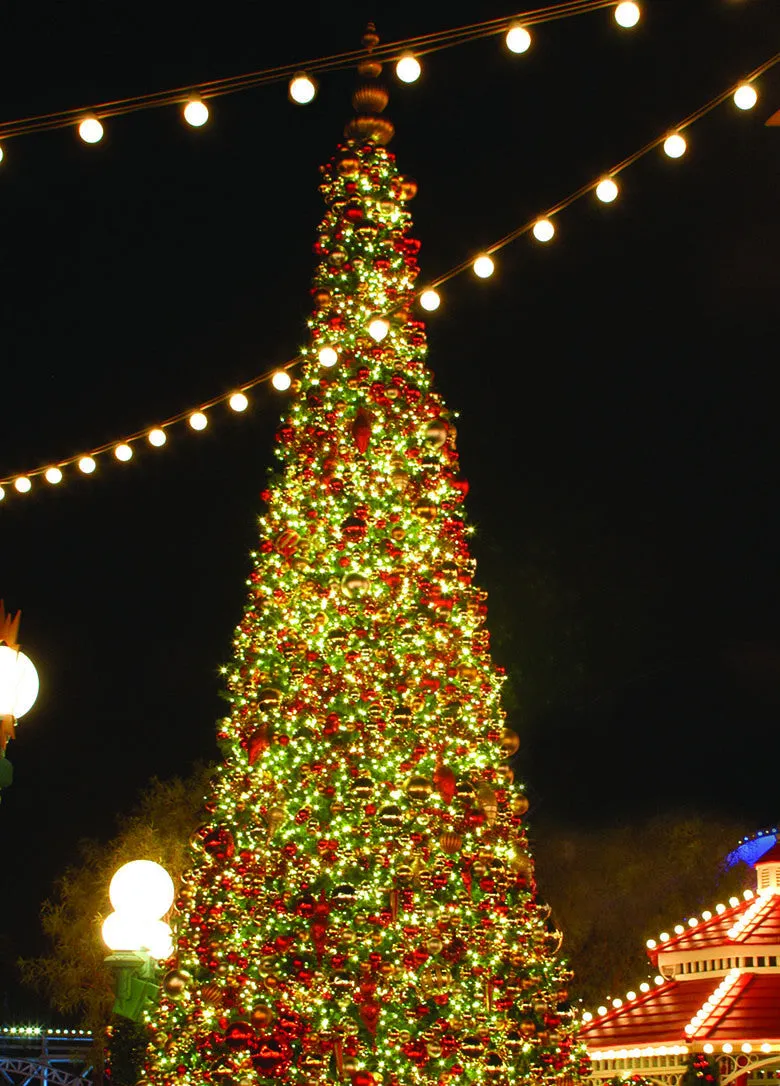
127, 1045
702, 1070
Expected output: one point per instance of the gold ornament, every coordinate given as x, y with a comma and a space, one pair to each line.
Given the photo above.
509, 743
419, 788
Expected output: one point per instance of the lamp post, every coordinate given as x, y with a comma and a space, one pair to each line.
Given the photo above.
18, 686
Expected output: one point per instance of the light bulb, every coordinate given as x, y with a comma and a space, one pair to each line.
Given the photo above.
378, 329
627, 15
22, 484
408, 68
196, 112
198, 420
2, 493
543, 230
1, 154
302, 89
745, 96
91, 130
141, 888
607, 190
430, 300
281, 380
675, 145
327, 356
53, 476
157, 437
123, 452
87, 464
483, 267
238, 401
518, 40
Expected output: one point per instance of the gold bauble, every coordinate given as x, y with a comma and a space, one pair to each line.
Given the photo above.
419, 788
262, 1016
434, 945
509, 743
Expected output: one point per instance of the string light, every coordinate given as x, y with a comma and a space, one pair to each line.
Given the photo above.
198, 420
675, 145
745, 96
87, 464
281, 380
53, 476
328, 357
157, 438
22, 484
408, 68
378, 328
196, 112
2, 493
518, 40
430, 300
91, 130
123, 452
543, 230
627, 15
238, 401
2, 156
484, 266
607, 190
302, 89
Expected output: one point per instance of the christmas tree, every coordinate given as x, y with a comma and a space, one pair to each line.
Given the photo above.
360, 906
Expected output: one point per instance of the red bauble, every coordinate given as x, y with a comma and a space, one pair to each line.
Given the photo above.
361, 430
444, 782
219, 843
239, 1035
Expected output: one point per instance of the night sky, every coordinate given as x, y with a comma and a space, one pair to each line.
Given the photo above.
617, 390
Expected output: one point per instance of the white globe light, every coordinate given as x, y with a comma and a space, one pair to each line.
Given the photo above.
18, 682
22, 484
518, 40
378, 329
87, 464
2, 156
327, 356
627, 15
156, 937
121, 932
2, 493
198, 420
196, 113
238, 401
675, 145
408, 68
543, 230
91, 130
281, 380
607, 190
302, 89
746, 96
430, 300
53, 476
143, 889
157, 437
483, 267
123, 452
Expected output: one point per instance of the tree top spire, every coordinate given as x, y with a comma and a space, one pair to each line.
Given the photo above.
369, 98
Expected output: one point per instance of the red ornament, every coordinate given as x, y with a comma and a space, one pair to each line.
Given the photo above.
259, 741
239, 1035
361, 430
219, 843
444, 782
369, 1016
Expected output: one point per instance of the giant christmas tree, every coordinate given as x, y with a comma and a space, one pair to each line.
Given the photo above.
360, 906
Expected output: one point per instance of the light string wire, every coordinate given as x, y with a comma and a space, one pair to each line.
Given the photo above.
421, 45
267, 375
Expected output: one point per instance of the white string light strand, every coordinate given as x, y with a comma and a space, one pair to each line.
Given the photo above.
427, 297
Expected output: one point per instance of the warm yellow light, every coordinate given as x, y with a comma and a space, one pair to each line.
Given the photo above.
430, 300
675, 145
651, 944
483, 267
2, 156
238, 401
18, 682
601, 1011
543, 230
708, 1048
281, 380
378, 329
87, 464
196, 112
91, 130
728, 1047
157, 437
644, 986
518, 40
630, 996
23, 484
53, 476
123, 452
664, 936
198, 420
2, 493
678, 929
733, 902
302, 89
627, 15
617, 1003
607, 190
327, 356
745, 96
408, 68
141, 888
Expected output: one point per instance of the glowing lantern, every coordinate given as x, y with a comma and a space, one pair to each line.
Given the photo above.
53, 476
745, 96
302, 89
281, 380
87, 464
198, 420
627, 15
607, 190
408, 68
675, 145
196, 112
518, 40
142, 888
430, 300
483, 267
543, 230
91, 130
157, 437
123, 452
22, 485
238, 401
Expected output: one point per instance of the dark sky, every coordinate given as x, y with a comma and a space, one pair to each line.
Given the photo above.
617, 390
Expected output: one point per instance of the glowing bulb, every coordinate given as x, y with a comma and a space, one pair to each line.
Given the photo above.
196, 113
518, 40
617, 1003
378, 329
91, 130
408, 68
198, 420
483, 267
87, 464
728, 1047
23, 484
644, 986
53, 476
1, 154
430, 300
281, 380
543, 230
19, 683
607, 190
658, 980
238, 401
627, 15
733, 902
678, 929
745, 96
651, 944
2, 493
630, 995
664, 936
141, 888
157, 437
601, 1011
302, 89
123, 452
328, 356
675, 145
